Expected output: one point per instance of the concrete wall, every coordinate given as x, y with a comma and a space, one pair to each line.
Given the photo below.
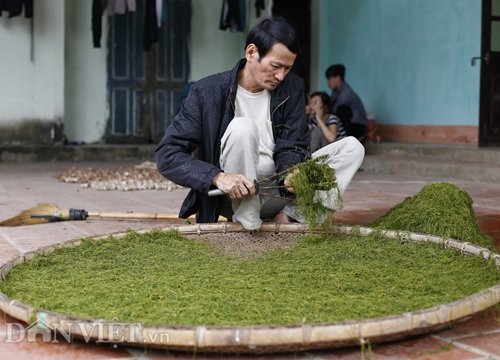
409, 60
214, 50
85, 100
65, 84
32, 89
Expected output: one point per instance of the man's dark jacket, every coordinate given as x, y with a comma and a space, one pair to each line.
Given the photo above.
201, 123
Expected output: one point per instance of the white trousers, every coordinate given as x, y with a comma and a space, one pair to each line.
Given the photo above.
240, 155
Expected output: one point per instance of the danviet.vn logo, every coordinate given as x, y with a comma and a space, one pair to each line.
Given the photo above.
101, 332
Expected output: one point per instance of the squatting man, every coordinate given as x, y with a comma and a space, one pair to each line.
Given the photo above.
248, 123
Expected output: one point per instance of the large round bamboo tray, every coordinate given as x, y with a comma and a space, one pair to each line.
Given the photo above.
260, 339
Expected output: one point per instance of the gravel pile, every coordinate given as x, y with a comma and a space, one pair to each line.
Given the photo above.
140, 177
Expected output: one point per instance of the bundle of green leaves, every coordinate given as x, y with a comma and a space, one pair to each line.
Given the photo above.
441, 209
315, 186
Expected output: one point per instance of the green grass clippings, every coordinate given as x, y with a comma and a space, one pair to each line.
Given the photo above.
162, 278
312, 177
441, 209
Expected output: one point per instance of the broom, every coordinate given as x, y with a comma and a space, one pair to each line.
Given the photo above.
48, 212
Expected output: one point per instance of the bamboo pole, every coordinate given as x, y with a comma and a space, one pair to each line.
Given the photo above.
145, 216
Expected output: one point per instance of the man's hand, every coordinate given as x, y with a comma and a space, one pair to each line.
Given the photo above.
288, 178
235, 185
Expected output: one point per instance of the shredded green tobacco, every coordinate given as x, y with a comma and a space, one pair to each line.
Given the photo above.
314, 181
441, 209
164, 278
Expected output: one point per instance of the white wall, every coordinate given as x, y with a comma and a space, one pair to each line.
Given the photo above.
214, 50
86, 109
66, 81
32, 90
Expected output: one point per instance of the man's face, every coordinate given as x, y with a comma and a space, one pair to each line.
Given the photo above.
270, 71
334, 82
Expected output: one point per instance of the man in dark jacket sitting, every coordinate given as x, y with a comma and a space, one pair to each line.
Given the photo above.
247, 123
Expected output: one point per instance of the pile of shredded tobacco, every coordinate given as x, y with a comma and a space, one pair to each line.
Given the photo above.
441, 209
163, 278
316, 188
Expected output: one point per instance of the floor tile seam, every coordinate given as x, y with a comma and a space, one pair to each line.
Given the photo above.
28, 237
466, 336
483, 206
77, 228
472, 349
399, 182
433, 160
12, 242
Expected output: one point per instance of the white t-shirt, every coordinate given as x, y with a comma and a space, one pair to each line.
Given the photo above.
256, 106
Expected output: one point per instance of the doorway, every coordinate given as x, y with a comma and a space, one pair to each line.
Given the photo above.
145, 88
298, 13
489, 103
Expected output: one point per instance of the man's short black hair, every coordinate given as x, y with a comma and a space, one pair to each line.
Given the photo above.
270, 31
335, 70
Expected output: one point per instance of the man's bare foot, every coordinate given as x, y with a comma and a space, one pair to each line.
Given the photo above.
282, 218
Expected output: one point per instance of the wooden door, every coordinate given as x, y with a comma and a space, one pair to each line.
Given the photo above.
145, 88
489, 106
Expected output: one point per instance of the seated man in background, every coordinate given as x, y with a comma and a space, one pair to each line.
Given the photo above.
344, 97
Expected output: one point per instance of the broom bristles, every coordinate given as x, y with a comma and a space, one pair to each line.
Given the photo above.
24, 218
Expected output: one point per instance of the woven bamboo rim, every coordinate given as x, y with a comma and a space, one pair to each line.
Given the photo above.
262, 339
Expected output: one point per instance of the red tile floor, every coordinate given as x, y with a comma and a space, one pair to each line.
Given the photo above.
370, 195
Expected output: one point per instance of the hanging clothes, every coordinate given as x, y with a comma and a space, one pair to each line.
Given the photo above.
3, 7
259, 6
120, 7
151, 32
159, 11
270, 5
97, 11
15, 8
233, 15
